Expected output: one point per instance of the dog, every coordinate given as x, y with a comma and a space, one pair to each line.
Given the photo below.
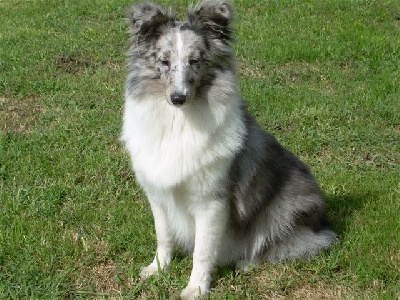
219, 186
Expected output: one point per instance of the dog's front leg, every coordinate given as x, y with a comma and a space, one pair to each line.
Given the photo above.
210, 221
164, 241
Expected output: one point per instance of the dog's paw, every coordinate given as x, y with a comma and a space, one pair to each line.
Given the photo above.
245, 266
193, 292
148, 271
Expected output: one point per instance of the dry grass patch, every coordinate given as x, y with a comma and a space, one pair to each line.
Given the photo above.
302, 72
287, 74
73, 65
281, 74
281, 282
102, 278
246, 69
19, 115
321, 291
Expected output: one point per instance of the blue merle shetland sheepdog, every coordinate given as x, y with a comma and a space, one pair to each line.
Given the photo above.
219, 186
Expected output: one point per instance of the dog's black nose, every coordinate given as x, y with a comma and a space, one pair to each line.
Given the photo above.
178, 99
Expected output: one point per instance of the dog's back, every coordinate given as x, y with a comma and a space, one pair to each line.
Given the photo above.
276, 200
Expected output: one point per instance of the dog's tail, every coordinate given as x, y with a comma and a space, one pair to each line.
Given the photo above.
303, 242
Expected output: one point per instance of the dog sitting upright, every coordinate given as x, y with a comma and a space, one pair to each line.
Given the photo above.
219, 187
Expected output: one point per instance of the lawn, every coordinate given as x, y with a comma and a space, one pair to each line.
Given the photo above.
322, 76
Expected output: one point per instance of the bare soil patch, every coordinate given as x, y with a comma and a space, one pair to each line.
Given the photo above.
73, 65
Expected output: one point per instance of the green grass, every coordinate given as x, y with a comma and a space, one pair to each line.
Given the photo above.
322, 76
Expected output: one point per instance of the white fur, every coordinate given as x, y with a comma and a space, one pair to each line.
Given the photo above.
180, 77
168, 144
179, 156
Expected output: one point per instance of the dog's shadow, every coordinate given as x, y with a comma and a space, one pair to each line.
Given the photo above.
341, 209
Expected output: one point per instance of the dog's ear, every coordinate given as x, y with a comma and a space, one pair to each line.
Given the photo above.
146, 18
215, 16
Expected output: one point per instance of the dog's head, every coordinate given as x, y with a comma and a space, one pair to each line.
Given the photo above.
179, 58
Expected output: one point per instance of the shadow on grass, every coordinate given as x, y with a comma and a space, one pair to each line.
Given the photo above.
341, 209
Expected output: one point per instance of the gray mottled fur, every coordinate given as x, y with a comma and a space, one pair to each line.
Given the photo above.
275, 195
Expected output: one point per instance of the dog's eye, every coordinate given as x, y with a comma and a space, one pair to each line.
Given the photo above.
194, 61
164, 62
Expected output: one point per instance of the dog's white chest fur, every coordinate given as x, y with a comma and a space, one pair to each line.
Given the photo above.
168, 145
